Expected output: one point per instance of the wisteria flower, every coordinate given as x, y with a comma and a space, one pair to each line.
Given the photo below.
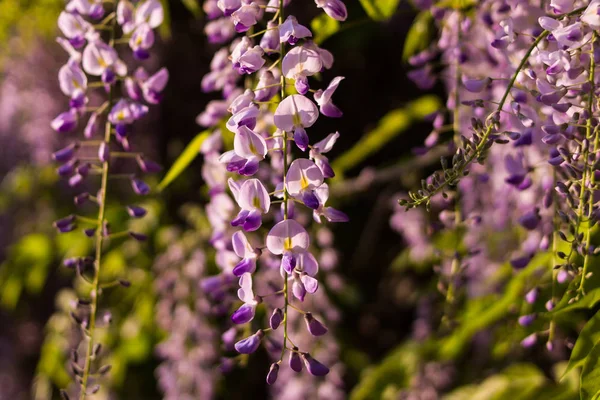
245, 58
73, 82
295, 113
302, 179
74, 27
254, 200
141, 41
100, 59
291, 31
245, 313
318, 149
330, 213
249, 148
323, 99
336, 9
246, 252
300, 63
245, 17
150, 12
288, 238
65, 122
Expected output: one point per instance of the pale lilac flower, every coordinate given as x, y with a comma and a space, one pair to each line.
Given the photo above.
244, 117
254, 200
100, 59
476, 85
267, 86
270, 40
125, 11
229, 6
300, 63
505, 35
561, 6
74, 27
245, 58
153, 86
246, 312
249, 148
336, 9
211, 9
245, 17
246, 252
591, 15
295, 113
291, 31
219, 30
318, 149
288, 238
323, 99
302, 178
74, 55
330, 213
72, 79
150, 12
124, 113
325, 55
141, 41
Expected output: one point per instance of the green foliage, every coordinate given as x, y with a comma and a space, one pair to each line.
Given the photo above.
390, 126
588, 337
380, 10
590, 375
482, 313
393, 373
586, 302
184, 160
323, 27
419, 35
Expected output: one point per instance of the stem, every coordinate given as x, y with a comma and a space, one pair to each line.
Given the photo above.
592, 177
99, 243
285, 192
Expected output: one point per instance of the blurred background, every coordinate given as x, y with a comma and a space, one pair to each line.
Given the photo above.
385, 299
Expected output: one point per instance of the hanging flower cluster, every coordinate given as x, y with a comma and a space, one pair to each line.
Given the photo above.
522, 83
261, 126
92, 32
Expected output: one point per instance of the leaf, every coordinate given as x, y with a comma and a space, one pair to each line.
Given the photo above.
396, 369
390, 126
589, 335
379, 10
419, 35
590, 375
323, 27
586, 302
165, 27
454, 344
519, 381
185, 158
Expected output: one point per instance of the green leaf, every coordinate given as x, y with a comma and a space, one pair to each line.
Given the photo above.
588, 337
483, 317
185, 158
395, 370
590, 375
419, 35
390, 126
586, 302
323, 26
380, 10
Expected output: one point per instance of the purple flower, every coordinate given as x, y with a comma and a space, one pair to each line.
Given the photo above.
295, 361
287, 238
270, 40
300, 63
246, 252
246, 312
229, 6
249, 148
75, 28
245, 17
302, 179
72, 79
330, 213
336, 9
245, 58
313, 366
254, 200
317, 151
140, 187
99, 59
276, 318
125, 12
141, 41
136, 211
65, 122
250, 344
291, 31
266, 87
323, 99
476, 85
295, 113
150, 12
314, 326
272, 375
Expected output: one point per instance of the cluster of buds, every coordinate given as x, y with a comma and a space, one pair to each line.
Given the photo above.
259, 128
101, 90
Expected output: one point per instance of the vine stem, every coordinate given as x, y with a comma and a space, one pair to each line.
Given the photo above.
592, 177
99, 242
285, 192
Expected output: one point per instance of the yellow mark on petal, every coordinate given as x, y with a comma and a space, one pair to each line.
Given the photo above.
101, 62
256, 202
287, 244
297, 120
75, 83
303, 182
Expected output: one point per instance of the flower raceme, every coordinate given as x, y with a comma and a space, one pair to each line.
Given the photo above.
91, 36
260, 169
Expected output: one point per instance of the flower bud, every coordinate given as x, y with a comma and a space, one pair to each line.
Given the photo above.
272, 375
276, 318
314, 326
